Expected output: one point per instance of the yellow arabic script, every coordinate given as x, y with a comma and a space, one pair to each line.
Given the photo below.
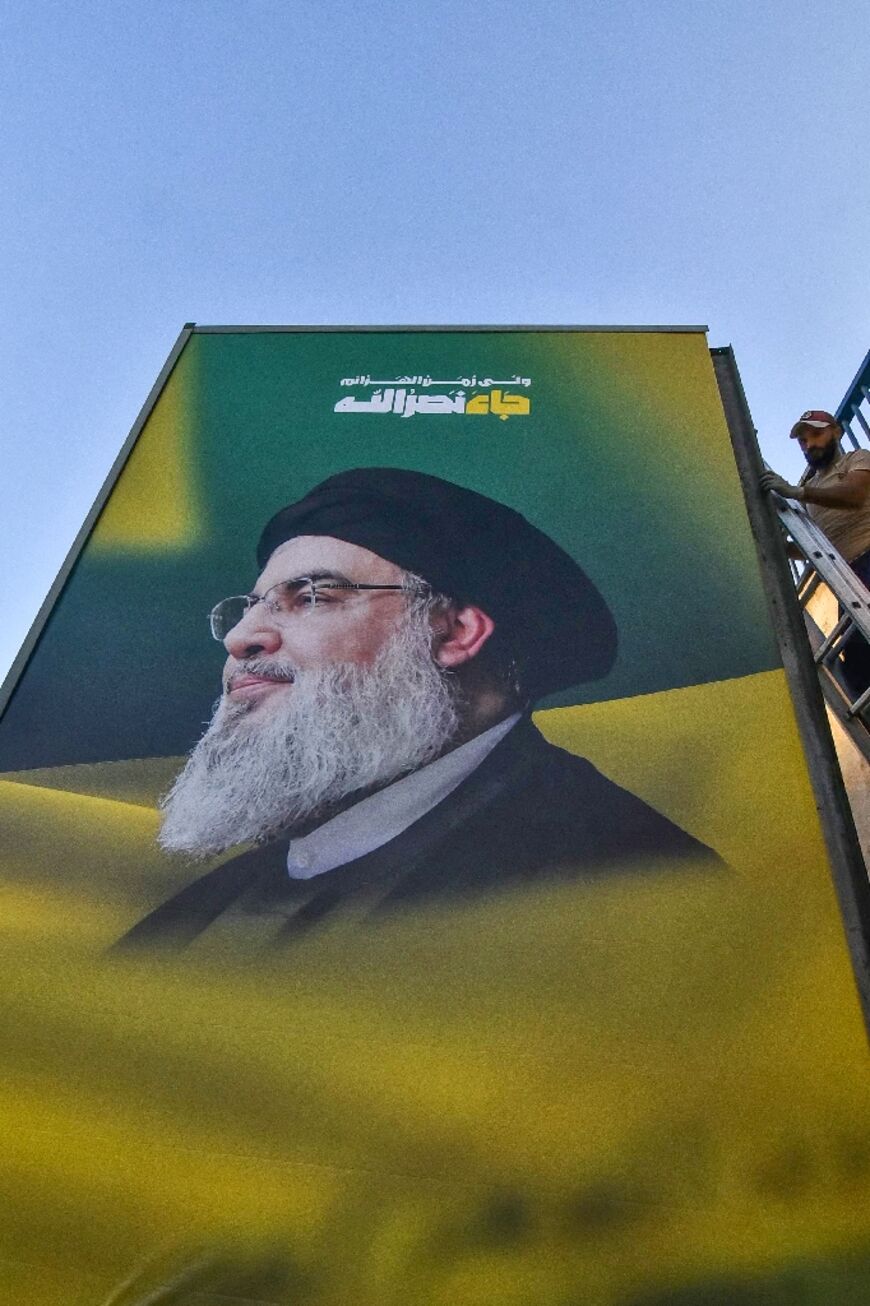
503, 405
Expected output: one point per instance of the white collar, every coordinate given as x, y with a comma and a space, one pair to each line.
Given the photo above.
377, 819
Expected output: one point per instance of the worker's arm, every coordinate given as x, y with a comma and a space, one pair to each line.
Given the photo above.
851, 492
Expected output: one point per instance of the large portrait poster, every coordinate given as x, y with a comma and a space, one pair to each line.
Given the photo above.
414, 891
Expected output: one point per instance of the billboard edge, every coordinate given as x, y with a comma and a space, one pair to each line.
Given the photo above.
410, 326
847, 863
7, 688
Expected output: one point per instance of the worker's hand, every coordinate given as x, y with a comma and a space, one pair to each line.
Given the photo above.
770, 481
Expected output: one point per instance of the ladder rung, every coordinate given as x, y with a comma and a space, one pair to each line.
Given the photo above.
859, 704
808, 587
828, 644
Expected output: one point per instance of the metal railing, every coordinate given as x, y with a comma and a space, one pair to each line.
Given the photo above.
854, 410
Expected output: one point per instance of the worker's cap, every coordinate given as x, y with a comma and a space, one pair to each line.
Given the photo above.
550, 618
816, 417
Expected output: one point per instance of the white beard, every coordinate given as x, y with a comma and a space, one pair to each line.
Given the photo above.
337, 730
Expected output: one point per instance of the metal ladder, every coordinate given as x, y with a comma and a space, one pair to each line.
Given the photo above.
821, 563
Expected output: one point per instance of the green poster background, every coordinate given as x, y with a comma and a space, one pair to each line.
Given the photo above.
623, 459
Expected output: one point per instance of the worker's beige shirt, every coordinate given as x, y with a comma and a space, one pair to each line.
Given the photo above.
848, 529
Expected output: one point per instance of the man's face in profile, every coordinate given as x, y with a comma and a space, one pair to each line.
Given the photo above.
819, 444
335, 626
323, 700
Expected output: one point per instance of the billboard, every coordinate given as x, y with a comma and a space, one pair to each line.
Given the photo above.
485, 948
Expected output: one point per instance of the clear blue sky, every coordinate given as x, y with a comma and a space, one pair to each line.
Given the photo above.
316, 161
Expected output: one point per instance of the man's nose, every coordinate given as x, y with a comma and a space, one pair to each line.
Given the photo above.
256, 633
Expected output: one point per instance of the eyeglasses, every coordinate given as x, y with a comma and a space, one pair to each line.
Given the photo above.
286, 599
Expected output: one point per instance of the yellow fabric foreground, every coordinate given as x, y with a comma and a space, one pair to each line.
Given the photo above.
583, 1094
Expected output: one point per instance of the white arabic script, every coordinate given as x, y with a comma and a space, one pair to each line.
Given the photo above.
425, 381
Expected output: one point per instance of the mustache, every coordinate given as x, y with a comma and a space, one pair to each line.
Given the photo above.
265, 669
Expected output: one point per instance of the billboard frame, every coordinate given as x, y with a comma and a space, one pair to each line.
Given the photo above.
850, 875
849, 871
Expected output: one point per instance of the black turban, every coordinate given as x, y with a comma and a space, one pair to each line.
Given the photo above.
550, 618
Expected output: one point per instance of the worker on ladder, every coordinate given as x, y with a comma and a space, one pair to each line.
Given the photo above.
836, 491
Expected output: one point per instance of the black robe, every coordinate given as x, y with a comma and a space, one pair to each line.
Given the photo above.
530, 811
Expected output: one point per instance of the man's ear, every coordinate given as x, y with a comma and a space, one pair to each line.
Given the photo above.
459, 635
